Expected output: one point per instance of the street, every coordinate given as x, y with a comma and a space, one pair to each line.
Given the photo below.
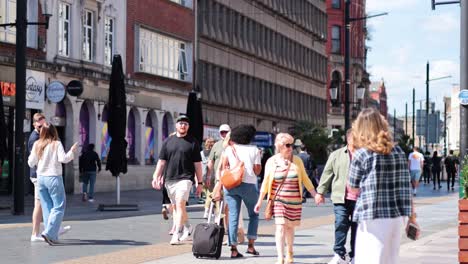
142, 236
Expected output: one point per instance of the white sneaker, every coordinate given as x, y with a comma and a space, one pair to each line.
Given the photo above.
338, 260
37, 239
91, 200
175, 239
64, 229
186, 233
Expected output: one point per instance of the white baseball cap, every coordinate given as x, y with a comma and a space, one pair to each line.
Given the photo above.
224, 127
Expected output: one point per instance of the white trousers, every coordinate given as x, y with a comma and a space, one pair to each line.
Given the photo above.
378, 241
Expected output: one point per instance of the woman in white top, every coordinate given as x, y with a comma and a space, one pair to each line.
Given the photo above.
240, 150
48, 155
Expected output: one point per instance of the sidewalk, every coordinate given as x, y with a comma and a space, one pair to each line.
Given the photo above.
438, 244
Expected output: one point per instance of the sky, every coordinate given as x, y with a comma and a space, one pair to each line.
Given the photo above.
403, 41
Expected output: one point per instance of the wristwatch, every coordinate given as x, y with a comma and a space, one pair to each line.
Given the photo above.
200, 183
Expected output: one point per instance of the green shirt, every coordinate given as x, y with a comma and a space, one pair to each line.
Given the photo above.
335, 175
215, 154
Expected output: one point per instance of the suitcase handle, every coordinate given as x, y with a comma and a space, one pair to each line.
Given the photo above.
212, 216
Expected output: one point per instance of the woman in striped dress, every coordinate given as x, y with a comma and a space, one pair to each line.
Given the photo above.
285, 176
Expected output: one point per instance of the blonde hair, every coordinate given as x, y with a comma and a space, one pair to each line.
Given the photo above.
38, 116
281, 139
47, 136
370, 131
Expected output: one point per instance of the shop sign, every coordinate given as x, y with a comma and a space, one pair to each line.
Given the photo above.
35, 89
130, 98
8, 91
463, 97
211, 131
75, 88
57, 121
56, 92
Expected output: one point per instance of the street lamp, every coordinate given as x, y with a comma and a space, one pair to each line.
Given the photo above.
360, 90
348, 21
21, 25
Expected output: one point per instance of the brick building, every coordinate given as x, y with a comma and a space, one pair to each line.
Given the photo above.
336, 56
262, 63
378, 97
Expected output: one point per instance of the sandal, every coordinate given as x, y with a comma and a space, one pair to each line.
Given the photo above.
289, 258
252, 252
238, 255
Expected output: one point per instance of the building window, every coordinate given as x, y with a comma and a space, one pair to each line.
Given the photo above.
336, 4
64, 29
163, 56
87, 35
8, 15
186, 3
109, 40
336, 39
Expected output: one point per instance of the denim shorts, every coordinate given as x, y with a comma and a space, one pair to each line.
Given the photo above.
415, 175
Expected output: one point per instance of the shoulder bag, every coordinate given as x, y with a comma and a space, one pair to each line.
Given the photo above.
232, 177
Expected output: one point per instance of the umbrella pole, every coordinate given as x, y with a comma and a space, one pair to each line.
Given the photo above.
118, 190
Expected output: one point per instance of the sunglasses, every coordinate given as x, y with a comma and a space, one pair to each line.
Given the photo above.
223, 132
183, 123
289, 145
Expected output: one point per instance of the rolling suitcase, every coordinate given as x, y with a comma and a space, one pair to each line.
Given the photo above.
208, 237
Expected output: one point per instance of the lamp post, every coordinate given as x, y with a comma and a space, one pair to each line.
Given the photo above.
348, 21
360, 90
21, 25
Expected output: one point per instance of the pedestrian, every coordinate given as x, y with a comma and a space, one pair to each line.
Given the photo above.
38, 122
427, 168
334, 178
89, 166
285, 178
379, 170
436, 169
310, 168
48, 155
208, 187
415, 165
240, 150
451, 167
180, 163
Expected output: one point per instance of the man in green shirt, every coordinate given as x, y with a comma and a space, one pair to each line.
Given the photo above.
215, 155
334, 178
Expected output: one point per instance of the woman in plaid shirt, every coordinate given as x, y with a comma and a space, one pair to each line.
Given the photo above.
379, 170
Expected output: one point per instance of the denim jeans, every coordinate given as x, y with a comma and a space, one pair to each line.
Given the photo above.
249, 194
343, 221
52, 195
90, 176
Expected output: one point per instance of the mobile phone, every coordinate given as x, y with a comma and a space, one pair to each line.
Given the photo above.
412, 231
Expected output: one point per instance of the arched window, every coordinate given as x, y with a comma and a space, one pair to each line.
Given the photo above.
336, 83
131, 137
149, 141
84, 126
105, 138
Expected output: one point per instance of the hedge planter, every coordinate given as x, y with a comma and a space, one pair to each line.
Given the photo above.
463, 231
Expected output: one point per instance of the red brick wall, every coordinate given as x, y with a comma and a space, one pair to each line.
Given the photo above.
163, 16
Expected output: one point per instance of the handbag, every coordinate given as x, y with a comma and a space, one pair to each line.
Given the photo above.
270, 204
232, 177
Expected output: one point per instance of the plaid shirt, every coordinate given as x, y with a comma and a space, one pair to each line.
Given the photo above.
384, 182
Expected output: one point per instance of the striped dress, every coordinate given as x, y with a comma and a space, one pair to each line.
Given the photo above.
287, 207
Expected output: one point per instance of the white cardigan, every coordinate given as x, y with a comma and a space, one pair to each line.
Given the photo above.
51, 162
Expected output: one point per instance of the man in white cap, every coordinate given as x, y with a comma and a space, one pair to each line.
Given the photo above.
215, 154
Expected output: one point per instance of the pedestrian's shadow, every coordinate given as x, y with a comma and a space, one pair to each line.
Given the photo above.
113, 242
272, 244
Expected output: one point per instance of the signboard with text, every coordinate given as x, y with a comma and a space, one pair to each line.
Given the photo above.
463, 97
35, 91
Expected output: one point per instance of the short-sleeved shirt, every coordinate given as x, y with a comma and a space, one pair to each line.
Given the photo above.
384, 183
215, 154
450, 162
250, 155
180, 153
415, 159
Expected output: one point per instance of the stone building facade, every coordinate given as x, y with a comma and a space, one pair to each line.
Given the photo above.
262, 62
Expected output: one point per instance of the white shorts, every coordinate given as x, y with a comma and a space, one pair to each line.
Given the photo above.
36, 188
179, 190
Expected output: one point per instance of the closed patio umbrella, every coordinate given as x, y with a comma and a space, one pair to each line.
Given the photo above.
194, 113
3, 129
117, 124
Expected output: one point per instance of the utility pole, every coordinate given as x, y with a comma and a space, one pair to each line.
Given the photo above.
406, 118
427, 106
18, 179
445, 128
464, 79
414, 114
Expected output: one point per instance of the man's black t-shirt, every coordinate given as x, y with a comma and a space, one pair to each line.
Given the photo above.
180, 153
